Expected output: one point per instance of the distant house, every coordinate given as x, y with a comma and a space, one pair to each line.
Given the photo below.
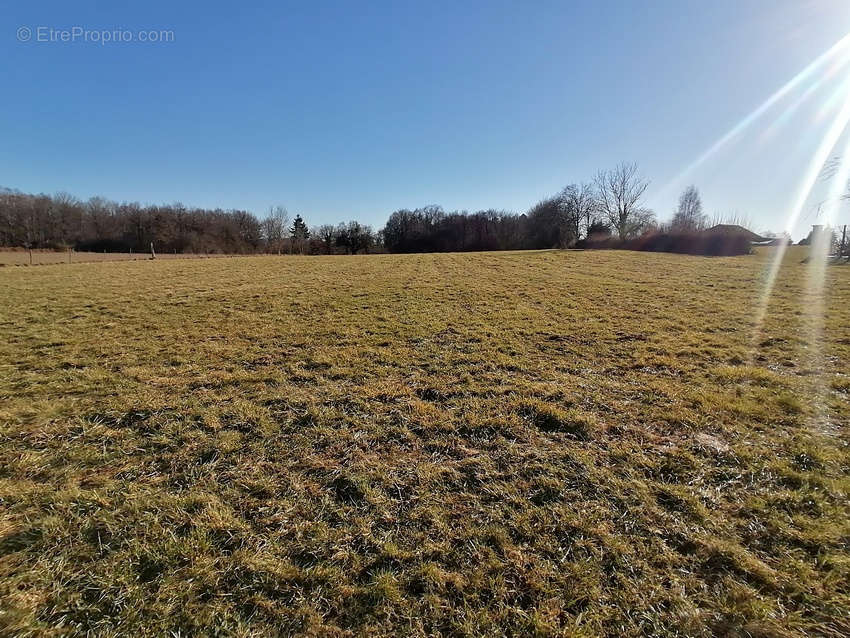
818, 231
734, 230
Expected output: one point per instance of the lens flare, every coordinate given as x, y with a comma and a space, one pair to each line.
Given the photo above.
833, 135
815, 166
840, 48
815, 296
838, 185
786, 115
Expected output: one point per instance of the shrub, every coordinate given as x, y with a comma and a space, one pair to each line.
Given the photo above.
691, 243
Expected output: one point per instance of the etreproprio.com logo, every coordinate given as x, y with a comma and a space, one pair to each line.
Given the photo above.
78, 34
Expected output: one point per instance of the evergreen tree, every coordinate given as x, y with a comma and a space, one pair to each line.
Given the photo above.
299, 233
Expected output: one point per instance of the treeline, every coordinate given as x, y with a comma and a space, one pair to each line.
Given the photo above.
431, 229
606, 212
612, 203
61, 221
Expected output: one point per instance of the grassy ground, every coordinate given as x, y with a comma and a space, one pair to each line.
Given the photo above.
21, 257
550, 443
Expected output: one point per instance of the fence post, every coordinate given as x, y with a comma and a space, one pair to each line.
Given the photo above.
69, 254
153, 254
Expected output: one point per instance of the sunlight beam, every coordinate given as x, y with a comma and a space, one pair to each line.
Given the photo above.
783, 118
815, 297
839, 47
838, 185
829, 141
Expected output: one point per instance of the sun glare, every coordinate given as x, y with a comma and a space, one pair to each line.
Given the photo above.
838, 54
813, 296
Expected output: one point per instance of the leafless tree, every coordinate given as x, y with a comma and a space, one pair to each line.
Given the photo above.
580, 202
733, 218
354, 237
620, 194
274, 227
549, 224
325, 234
689, 215
67, 212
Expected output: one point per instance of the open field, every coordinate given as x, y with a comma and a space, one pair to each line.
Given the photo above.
48, 257
537, 443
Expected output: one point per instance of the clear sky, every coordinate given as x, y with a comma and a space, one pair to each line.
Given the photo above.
353, 110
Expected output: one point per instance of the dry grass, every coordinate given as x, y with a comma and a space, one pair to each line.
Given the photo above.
549, 443
49, 257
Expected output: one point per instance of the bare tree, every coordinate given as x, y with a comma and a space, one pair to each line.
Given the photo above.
325, 233
620, 194
580, 202
549, 225
274, 227
354, 237
67, 213
689, 215
731, 218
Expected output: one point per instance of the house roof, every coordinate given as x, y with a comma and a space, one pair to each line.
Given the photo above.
735, 229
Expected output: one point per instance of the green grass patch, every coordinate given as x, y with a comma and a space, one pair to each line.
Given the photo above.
542, 443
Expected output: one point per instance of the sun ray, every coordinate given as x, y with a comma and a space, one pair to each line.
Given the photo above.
813, 310
783, 118
840, 48
833, 135
815, 298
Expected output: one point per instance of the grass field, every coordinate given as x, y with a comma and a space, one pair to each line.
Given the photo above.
49, 257
538, 443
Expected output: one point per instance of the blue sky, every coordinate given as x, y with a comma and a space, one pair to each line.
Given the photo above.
353, 110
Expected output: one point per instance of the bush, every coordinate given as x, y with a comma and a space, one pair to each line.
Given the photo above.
692, 243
